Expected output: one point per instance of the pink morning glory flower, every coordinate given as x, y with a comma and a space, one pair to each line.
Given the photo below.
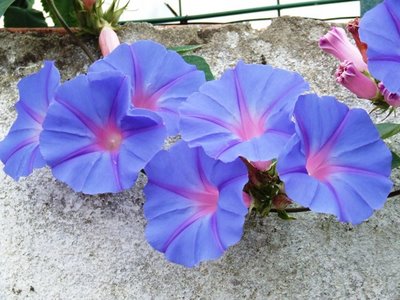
247, 112
355, 81
160, 79
19, 151
335, 42
194, 204
380, 30
88, 139
336, 163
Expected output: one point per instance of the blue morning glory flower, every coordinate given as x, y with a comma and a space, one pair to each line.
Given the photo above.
88, 139
380, 30
160, 78
336, 163
19, 151
194, 207
245, 113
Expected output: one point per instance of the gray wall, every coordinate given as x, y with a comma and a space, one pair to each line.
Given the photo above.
56, 244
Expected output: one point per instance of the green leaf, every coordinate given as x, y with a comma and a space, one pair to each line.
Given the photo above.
30, 3
395, 160
185, 48
23, 17
201, 64
4, 4
65, 8
387, 130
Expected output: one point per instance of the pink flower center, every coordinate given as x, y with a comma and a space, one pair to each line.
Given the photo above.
318, 167
110, 138
249, 128
207, 200
141, 100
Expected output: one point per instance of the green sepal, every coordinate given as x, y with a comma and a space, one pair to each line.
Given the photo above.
284, 215
23, 17
93, 21
201, 64
387, 130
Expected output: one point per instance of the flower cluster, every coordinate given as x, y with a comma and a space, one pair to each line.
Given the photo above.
370, 69
252, 139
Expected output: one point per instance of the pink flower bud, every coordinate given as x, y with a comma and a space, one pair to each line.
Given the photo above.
355, 81
353, 27
335, 42
262, 165
393, 99
247, 199
108, 40
88, 4
281, 201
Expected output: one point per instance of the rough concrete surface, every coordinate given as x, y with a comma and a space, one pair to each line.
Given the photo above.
57, 244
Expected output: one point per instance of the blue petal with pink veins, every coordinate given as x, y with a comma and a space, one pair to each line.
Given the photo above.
19, 151
89, 139
336, 163
380, 30
245, 113
194, 204
160, 79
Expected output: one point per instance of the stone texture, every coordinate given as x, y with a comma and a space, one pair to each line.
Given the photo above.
56, 244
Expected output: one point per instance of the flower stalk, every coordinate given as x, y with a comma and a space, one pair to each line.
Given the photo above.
69, 31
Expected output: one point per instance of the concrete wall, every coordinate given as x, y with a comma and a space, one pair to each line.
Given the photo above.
56, 244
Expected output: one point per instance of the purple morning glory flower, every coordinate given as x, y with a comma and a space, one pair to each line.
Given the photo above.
380, 30
336, 163
89, 141
245, 113
160, 79
194, 207
19, 151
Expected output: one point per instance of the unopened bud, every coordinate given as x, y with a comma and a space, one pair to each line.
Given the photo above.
108, 40
88, 4
355, 81
281, 201
262, 165
335, 42
393, 99
247, 199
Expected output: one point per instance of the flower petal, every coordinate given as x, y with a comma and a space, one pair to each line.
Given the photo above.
19, 151
337, 162
90, 142
160, 78
380, 30
245, 113
195, 209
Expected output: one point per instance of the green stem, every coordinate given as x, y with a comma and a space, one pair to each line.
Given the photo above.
66, 27
291, 210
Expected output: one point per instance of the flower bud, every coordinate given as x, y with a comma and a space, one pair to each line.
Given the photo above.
88, 4
355, 81
335, 42
262, 165
353, 27
281, 201
247, 199
393, 99
108, 40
